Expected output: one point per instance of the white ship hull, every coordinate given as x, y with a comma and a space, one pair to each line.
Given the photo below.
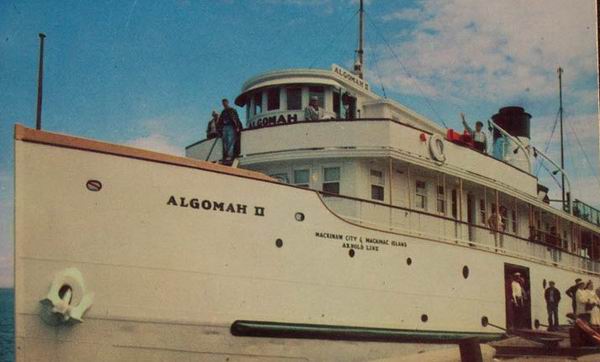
172, 277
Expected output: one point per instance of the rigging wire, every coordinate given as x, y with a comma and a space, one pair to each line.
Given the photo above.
405, 69
548, 142
333, 39
376, 67
552, 175
585, 156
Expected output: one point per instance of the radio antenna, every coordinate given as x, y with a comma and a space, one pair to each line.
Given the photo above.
359, 63
38, 115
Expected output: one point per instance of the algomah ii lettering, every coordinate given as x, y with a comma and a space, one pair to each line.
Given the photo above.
211, 205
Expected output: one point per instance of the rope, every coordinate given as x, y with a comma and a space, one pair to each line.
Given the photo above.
405, 69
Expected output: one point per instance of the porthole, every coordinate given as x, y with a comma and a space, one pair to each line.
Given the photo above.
424, 318
536, 324
279, 243
94, 185
299, 216
465, 272
351, 252
408, 261
484, 321
544, 283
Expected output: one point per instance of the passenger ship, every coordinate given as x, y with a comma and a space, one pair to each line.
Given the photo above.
359, 236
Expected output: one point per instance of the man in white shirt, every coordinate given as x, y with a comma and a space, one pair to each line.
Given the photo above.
478, 135
517, 301
313, 112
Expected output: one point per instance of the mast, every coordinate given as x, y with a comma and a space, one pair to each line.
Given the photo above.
562, 153
358, 64
38, 114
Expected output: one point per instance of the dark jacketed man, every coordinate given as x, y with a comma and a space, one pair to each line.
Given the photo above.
229, 126
552, 296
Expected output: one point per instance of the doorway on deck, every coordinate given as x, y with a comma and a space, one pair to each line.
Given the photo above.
518, 309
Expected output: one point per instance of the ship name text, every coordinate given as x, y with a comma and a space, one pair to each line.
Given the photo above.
210, 205
270, 121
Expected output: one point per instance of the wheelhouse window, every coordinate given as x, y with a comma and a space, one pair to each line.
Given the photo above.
377, 182
331, 179
318, 92
482, 212
301, 177
272, 99
441, 199
281, 177
294, 98
257, 103
421, 195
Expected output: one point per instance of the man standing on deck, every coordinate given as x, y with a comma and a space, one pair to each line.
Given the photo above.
229, 126
552, 296
313, 112
571, 293
517, 300
478, 135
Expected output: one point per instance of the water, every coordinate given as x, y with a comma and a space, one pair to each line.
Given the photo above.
7, 325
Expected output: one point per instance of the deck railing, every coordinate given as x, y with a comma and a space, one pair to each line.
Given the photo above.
436, 227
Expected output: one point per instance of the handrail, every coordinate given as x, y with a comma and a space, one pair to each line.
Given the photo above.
422, 212
516, 141
570, 206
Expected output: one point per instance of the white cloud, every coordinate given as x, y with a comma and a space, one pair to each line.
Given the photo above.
158, 134
156, 142
493, 49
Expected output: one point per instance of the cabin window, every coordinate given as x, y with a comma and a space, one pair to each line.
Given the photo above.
257, 103
318, 92
421, 195
377, 182
294, 99
441, 200
301, 177
482, 212
273, 99
331, 179
281, 177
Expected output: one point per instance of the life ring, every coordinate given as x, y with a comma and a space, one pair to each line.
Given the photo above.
436, 148
67, 301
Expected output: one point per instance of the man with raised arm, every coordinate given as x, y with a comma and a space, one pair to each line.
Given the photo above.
478, 135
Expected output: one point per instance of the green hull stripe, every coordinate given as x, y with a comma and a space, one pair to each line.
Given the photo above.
333, 332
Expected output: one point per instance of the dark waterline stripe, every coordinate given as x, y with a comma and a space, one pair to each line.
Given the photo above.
334, 332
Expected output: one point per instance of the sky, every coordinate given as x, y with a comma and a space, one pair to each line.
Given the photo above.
148, 73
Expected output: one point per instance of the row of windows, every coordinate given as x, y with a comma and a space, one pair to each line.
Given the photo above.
293, 98
301, 177
331, 184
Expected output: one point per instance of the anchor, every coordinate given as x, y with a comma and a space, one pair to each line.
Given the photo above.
67, 301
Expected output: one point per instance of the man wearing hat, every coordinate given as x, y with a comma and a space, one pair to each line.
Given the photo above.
572, 291
552, 296
313, 112
517, 300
